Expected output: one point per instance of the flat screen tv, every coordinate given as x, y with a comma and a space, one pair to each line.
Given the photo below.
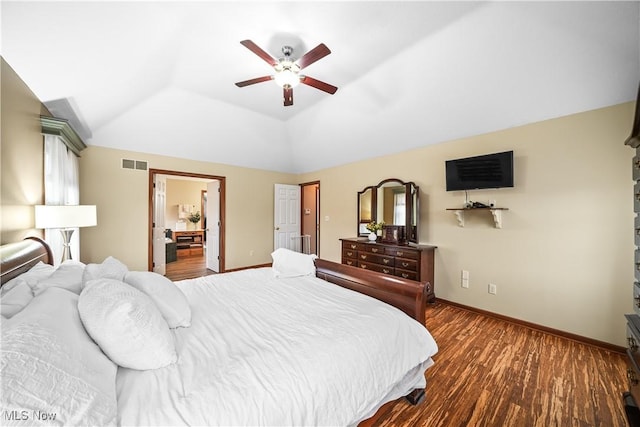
486, 171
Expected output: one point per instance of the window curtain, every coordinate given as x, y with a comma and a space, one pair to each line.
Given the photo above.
61, 187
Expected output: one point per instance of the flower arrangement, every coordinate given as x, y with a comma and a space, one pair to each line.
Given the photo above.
194, 217
374, 227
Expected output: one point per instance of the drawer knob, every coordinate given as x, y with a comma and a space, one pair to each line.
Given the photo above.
405, 275
353, 246
374, 250
349, 262
386, 261
631, 343
363, 266
637, 299
386, 270
631, 376
405, 264
350, 253
363, 256
399, 253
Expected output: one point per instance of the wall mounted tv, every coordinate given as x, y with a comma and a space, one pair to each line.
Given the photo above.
486, 171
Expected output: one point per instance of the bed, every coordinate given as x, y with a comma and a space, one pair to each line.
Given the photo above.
264, 346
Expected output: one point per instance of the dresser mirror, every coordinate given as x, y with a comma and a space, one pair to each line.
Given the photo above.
393, 202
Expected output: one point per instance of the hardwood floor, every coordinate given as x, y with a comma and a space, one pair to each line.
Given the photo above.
187, 268
489, 372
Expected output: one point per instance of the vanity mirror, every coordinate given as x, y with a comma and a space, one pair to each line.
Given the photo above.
393, 201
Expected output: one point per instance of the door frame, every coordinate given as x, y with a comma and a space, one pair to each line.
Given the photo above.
222, 179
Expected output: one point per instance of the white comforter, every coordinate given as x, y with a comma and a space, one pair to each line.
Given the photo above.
273, 351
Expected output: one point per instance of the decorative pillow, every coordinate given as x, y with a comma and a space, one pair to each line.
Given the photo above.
110, 268
16, 299
67, 276
126, 324
165, 294
287, 263
49, 365
32, 276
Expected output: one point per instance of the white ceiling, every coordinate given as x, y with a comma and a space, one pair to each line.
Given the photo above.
158, 77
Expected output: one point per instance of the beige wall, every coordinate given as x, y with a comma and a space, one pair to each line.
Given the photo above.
182, 192
21, 154
564, 257
122, 195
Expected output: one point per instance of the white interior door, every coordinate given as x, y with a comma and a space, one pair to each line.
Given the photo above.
213, 226
159, 243
286, 230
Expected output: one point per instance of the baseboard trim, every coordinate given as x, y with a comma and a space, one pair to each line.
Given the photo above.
578, 338
247, 267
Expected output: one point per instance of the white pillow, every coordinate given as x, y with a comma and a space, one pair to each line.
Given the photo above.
50, 364
16, 299
111, 268
165, 294
287, 263
126, 324
67, 276
32, 276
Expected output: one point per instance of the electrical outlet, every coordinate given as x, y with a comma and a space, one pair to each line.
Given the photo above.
493, 289
464, 279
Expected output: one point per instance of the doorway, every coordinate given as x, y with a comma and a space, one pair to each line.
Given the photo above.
310, 211
212, 224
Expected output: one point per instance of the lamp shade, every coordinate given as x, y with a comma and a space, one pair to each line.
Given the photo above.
67, 216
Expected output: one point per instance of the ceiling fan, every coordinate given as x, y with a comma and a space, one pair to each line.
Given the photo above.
287, 70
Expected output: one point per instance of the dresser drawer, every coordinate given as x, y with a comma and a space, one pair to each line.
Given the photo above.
636, 234
350, 245
636, 197
349, 253
375, 267
374, 249
636, 168
636, 297
375, 258
407, 264
402, 252
406, 274
351, 262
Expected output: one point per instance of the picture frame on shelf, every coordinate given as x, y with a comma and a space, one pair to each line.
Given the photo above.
394, 234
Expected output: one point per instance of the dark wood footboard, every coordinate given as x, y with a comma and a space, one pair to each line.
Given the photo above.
407, 295
18, 257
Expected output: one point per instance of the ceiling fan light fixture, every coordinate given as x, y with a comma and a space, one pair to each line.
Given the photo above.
287, 74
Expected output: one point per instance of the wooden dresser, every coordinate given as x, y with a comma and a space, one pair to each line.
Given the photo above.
410, 262
189, 242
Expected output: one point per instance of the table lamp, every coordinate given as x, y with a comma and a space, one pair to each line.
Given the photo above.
66, 218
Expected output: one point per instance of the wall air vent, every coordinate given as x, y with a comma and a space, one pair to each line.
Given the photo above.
140, 165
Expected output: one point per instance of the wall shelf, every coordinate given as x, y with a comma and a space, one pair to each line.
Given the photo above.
496, 212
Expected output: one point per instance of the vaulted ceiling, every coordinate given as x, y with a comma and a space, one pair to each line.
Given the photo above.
158, 77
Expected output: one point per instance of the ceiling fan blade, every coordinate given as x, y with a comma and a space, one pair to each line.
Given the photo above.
258, 51
326, 87
254, 81
288, 95
313, 55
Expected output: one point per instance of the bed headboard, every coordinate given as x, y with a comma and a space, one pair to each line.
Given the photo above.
18, 257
